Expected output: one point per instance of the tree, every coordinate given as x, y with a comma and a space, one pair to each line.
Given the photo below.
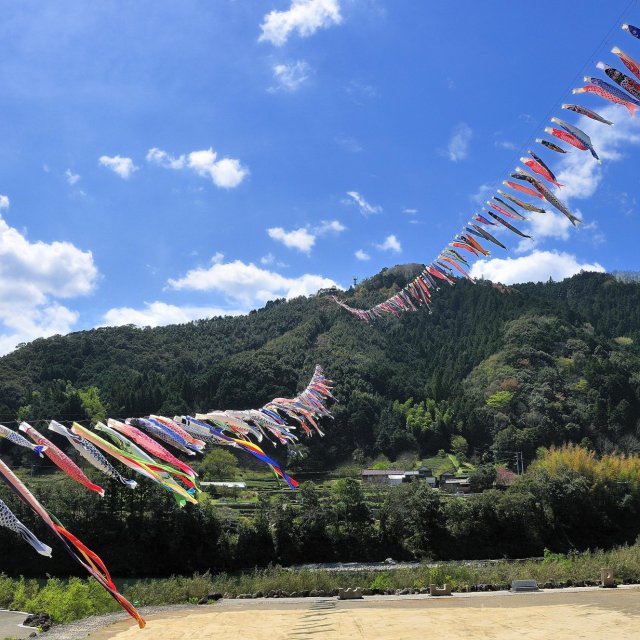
482, 478
92, 405
459, 447
218, 464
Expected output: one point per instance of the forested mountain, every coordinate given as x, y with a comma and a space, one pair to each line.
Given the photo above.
506, 368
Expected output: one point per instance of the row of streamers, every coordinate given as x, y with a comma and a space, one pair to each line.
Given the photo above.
506, 208
136, 443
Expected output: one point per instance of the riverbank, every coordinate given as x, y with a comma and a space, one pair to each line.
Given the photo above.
75, 599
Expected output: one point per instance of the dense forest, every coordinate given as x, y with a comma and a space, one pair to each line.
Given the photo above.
504, 368
492, 369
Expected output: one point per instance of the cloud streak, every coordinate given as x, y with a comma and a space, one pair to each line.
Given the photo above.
290, 77
365, 208
458, 147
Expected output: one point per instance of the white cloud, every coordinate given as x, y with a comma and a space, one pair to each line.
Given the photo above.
226, 173
158, 314
268, 259
538, 266
410, 212
365, 208
304, 238
37, 322
303, 16
71, 177
362, 255
247, 284
290, 77
166, 160
4, 202
124, 167
329, 226
391, 243
458, 147
299, 239
32, 276
579, 171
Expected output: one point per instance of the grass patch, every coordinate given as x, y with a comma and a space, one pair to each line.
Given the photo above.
437, 465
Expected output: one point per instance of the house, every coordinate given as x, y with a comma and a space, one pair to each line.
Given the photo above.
419, 476
382, 476
447, 475
228, 485
392, 477
455, 485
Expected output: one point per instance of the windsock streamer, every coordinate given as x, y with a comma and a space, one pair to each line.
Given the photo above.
583, 111
21, 441
60, 458
634, 31
628, 61
11, 522
627, 83
609, 92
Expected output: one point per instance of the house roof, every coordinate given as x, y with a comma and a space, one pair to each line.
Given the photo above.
382, 472
231, 485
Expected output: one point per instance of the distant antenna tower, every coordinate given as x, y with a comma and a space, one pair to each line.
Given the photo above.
355, 281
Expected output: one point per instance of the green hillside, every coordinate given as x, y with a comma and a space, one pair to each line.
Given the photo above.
508, 369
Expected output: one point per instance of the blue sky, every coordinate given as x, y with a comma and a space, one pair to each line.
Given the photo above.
166, 161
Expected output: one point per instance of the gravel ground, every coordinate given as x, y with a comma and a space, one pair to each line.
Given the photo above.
83, 628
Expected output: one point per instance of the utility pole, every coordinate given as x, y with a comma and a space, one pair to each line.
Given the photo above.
519, 463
